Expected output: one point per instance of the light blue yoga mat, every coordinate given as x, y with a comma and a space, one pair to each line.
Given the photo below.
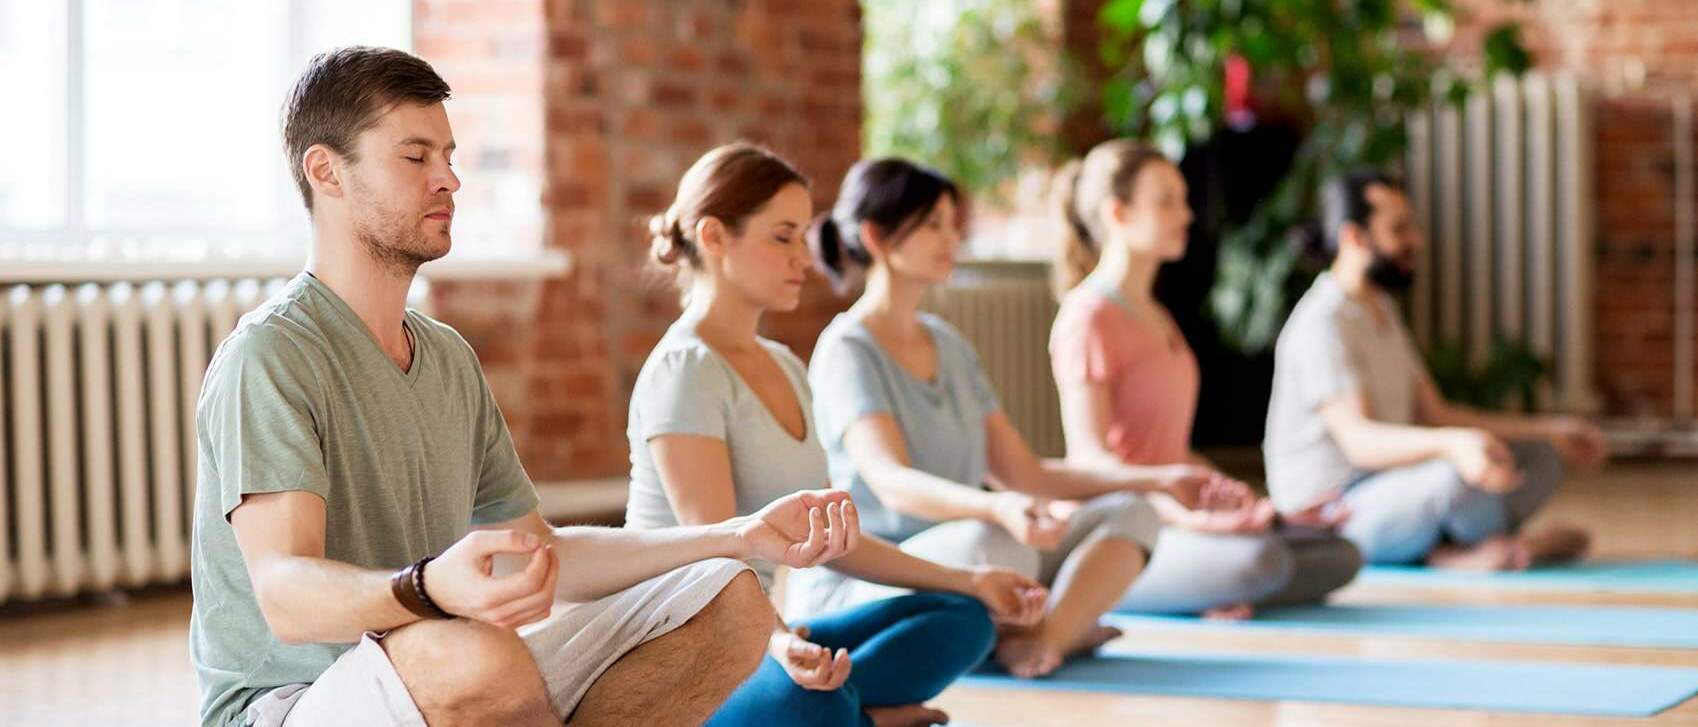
1650, 576
1622, 691
1667, 628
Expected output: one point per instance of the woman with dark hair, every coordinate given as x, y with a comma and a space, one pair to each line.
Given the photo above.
720, 425
914, 433
1129, 385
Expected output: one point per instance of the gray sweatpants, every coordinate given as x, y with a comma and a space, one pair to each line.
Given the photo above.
1191, 571
1399, 515
1187, 571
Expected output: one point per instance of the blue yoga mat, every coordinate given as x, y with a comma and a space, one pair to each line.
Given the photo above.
1623, 691
1651, 576
1666, 628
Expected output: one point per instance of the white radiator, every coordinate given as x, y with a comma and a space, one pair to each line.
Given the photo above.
97, 430
1005, 309
1503, 186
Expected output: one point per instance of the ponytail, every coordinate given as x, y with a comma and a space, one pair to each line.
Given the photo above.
841, 262
892, 194
1077, 254
1081, 187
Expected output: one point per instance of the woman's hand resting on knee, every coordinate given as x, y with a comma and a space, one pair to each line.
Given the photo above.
810, 665
1223, 505
802, 529
1011, 598
1038, 522
1326, 515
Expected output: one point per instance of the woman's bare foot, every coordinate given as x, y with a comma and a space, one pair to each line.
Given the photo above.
907, 715
1557, 543
1497, 553
1091, 640
1025, 654
1235, 612
1029, 654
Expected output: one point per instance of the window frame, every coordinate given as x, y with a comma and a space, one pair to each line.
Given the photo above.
76, 238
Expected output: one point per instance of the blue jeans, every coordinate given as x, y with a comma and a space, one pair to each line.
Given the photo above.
902, 650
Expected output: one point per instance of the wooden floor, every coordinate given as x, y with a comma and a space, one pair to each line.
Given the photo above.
125, 661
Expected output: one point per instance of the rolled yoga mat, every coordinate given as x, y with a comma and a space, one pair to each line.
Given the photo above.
1555, 688
1661, 628
1648, 576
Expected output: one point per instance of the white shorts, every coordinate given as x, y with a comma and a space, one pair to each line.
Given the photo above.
572, 648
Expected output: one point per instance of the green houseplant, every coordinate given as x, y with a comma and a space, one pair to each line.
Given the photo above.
1349, 71
972, 87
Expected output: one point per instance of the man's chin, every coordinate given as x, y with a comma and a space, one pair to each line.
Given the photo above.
435, 248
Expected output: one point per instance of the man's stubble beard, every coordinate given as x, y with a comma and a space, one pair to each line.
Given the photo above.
397, 247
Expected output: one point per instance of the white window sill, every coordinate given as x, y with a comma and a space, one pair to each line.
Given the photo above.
541, 264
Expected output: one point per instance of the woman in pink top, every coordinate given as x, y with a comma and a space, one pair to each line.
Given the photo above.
1129, 383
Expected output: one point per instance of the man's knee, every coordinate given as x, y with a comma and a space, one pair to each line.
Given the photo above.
738, 623
462, 665
1540, 465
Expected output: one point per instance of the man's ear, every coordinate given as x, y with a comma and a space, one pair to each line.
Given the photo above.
323, 169
1351, 234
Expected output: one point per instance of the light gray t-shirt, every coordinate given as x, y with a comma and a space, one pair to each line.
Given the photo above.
685, 387
1332, 346
301, 397
942, 420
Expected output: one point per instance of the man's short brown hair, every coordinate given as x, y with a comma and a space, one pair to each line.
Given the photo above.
345, 91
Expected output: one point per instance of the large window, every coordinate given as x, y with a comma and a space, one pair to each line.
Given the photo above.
155, 123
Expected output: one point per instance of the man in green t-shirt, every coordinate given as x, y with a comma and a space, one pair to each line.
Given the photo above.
345, 440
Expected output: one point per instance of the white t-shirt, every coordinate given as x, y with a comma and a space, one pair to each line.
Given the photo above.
686, 387
1331, 347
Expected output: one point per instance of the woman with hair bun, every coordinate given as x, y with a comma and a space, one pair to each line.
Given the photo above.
720, 424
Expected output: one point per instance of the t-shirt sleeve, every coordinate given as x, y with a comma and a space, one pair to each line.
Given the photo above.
683, 392
848, 386
258, 418
1325, 367
505, 491
1080, 345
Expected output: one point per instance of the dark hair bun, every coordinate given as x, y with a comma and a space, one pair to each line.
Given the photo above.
666, 240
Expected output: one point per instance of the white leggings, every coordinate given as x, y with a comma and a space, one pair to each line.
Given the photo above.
1187, 571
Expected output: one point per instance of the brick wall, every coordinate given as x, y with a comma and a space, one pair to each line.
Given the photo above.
612, 100
1638, 53
1635, 52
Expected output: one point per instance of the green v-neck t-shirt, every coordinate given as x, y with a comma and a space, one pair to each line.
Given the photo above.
302, 398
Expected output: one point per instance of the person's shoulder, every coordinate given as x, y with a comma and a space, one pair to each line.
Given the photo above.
1324, 305
843, 327
949, 341
682, 354
432, 331
279, 334
1086, 307
785, 356
844, 336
